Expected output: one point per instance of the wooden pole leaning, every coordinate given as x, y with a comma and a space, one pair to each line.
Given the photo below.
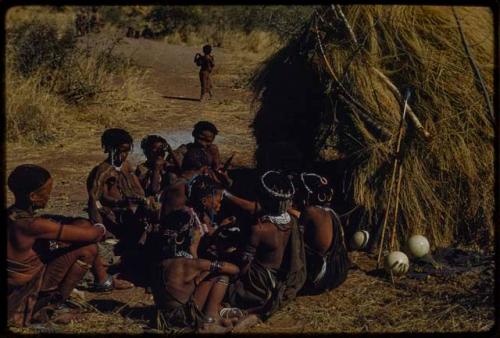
395, 167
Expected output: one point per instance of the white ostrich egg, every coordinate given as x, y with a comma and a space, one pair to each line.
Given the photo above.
397, 262
418, 246
360, 239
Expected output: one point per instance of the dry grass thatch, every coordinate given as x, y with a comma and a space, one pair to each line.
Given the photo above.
331, 94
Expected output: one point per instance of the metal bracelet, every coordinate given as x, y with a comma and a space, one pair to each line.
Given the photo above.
100, 225
215, 266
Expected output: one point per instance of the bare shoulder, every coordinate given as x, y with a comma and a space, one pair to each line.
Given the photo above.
181, 149
127, 167
97, 172
313, 211
213, 147
262, 228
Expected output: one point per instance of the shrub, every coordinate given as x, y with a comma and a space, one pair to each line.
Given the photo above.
39, 44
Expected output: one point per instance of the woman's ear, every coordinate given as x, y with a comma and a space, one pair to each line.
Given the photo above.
32, 197
204, 200
35, 199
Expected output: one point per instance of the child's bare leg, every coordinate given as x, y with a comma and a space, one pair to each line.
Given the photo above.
99, 270
216, 296
202, 292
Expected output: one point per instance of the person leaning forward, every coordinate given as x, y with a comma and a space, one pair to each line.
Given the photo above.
28, 272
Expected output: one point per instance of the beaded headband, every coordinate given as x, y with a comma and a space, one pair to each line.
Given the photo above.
278, 194
323, 180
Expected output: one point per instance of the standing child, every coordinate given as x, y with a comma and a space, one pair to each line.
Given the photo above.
206, 64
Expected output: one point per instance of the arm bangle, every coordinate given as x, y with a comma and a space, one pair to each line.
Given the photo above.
215, 266
100, 225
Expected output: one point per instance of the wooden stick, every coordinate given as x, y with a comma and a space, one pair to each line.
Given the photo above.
398, 189
346, 23
381, 242
396, 160
397, 93
475, 68
346, 97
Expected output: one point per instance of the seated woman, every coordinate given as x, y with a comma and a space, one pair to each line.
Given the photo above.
272, 262
117, 200
151, 172
187, 291
53, 272
326, 252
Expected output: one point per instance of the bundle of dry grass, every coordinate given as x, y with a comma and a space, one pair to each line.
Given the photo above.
336, 93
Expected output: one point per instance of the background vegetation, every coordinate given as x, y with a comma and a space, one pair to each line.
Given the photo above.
74, 81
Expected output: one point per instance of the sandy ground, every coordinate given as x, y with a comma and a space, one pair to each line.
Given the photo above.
366, 302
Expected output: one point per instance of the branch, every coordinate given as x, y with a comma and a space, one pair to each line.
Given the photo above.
475, 68
346, 23
410, 111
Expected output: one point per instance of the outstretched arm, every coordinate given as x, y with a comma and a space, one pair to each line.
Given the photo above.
251, 206
173, 156
93, 192
43, 228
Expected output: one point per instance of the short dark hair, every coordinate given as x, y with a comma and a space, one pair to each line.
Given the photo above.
202, 186
27, 178
194, 159
207, 49
148, 141
202, 126
113, 137
177, 224
176, 220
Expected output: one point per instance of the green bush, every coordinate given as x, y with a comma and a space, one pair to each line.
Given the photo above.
173, 18
37, 44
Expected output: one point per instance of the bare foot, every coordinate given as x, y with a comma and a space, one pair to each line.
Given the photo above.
122, 284
246, 322
66, 318
214, 328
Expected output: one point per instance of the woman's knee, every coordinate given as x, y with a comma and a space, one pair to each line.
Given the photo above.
88, 253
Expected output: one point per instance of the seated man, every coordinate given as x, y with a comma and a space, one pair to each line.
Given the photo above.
27, 272
204, 133
187, 291
116, 197
272, 269
326, 253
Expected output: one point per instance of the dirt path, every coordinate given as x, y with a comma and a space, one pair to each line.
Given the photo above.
367, 301
173, 78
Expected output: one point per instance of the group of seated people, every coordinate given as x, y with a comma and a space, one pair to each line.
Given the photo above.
213, 261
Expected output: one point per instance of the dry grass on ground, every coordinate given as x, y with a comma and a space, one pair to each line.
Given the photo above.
366, 302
